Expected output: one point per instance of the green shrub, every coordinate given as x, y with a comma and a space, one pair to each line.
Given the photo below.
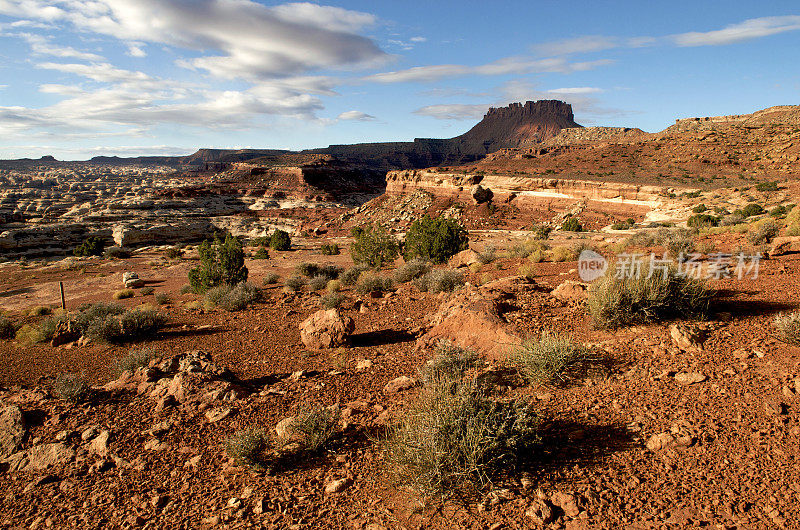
410, 270
91, 246
541, 231
233, 298
440, 280
271, 278
331, 249
449, 362
700, 208
310, 270
373, 247
372, 283
454, 438
764, 232
351, 275
750, 210
7, 328
549, 360
571, 224
615, 302
789, 327
173, 253
147, 291
130, 326
117, 253
767, 186
261, 253
334, 286
294, 283
71, 387
435, 239
317, 427
49, 326
332, 300
280, 240
88, 313
123, 294
779, 211
220, 263
135, 359
702, 220
245, 447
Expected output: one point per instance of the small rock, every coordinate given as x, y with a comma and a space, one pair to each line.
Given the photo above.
540, 512
218, 413
337, 486
364, 364
12, 429
399, 384
690, 378
660, 441
99, 445
567, 502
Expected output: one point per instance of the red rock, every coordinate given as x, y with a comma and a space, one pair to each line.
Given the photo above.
326, 329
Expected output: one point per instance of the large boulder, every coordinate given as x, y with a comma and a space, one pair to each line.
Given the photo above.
472, 319
326, 329
784, 245
131, 280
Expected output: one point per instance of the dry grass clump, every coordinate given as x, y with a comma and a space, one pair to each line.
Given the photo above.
333, 286
246, 446
373, 283
488, 255
317, 427
136, 358
71, 387
763, 232
351, 275
332, 300
449, 362
162, 298
615, 302
525, 248
317, 283
294, 284
270, 278
563, 253
411, 270
789, 327
123, 294
232, 298
453, 438
550, 360
793, 222
440, 280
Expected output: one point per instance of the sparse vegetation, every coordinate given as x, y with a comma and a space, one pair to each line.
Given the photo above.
311, 270
220, 263
127, 327
351, 275
333, 286
541, 231
116, 253
123, 294
373, 283
332, 300
528, 246
294, 283
767, 186
449, 362
549, 360
7, 328
162, 298
136, 358
317, 283
91, 246
615, 302
453, 438
245, 447
147, 291
233, 298
373, 246
173, 253
317, 427
329, 249
763, 232
563, 253
435, 239
788, 326
750, 210
410, 270
261, 253
487, 255
440, 280
679, 243
571, 224
71, 387
793, 222
702, 220
271, 278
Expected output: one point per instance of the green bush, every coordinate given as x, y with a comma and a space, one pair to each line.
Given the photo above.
261, 253
549, 360
317, 283
245, 447
750, 210
700, 208
173, 253
91, 246
280, 240
410, 270
454, 438
294, 283
702, 220
789, 327
317, 427
435, 239
71, 387
541, 231
220, 263
372, 283
440, 280
779, 211
123, 294
117, 253
373, 247
615, 302
329, 249
162, 298
147, 291
310, 270
449, 362
767, 186
270, 278
571, 224
88, 313
130, 326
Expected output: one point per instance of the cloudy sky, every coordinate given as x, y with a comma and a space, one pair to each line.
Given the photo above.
128, 77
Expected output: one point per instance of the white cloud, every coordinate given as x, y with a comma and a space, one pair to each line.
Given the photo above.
576, 90
41, 45
418, 39
101, 72
356, 115
583, 44
749, 29
507, 65
453, 111
136, 49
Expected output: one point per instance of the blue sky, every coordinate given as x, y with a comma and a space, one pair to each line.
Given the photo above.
128, 77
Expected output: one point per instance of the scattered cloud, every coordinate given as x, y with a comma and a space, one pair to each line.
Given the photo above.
41, 45
136, 49
583, 44
418, 39
753, 28
453, 111
576, 90
505, 66
356, 115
